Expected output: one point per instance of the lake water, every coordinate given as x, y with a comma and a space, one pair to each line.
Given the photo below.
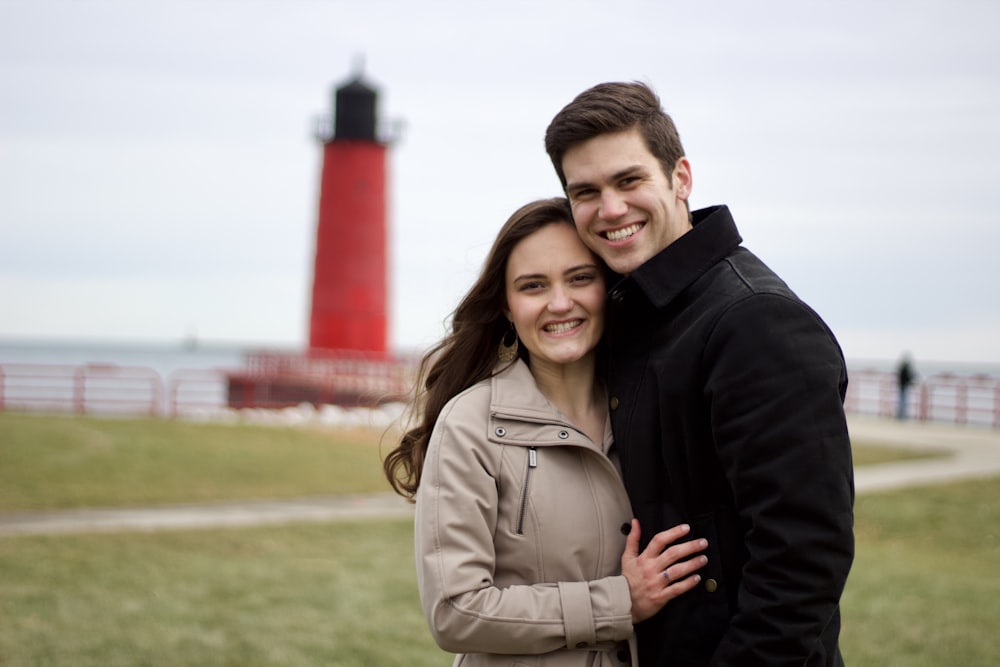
165, 358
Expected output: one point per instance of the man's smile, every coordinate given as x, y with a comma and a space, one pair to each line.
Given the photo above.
623, 233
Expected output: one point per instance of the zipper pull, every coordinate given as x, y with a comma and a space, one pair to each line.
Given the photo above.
532, 458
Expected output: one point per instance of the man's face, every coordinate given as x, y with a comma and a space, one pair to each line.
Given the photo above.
624, 207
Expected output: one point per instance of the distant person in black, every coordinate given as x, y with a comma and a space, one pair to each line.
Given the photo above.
904, 378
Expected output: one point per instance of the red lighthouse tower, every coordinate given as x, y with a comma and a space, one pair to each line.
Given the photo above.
347, 362
349, 277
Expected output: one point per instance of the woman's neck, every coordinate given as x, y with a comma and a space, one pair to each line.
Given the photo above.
572, 389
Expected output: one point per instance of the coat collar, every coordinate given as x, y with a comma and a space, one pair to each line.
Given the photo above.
514, 392
667, 274
527, 417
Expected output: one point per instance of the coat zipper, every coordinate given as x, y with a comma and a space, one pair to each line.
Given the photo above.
532, 464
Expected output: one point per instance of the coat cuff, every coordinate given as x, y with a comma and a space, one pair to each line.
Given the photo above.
578, 616
621, 604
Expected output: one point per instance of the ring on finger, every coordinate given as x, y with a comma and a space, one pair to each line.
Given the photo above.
667, 577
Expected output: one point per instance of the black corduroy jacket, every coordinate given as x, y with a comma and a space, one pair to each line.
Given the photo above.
726, 395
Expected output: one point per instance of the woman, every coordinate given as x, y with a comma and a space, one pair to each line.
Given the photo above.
521, 521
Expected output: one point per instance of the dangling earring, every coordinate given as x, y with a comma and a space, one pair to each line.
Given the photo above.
507, 352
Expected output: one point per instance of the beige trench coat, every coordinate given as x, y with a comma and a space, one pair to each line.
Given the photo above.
519, 533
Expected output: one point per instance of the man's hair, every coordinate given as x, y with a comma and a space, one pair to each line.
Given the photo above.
614, 107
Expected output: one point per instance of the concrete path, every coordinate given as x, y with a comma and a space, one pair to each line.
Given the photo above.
214, 515
970, 452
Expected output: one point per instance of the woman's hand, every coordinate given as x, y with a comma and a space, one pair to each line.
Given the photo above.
659, 574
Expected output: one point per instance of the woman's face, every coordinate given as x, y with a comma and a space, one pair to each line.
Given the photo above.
555, 295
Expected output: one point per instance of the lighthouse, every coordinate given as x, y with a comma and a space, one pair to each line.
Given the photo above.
348, 309
347, 361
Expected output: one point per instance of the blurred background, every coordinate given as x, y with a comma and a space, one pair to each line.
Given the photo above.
159, 177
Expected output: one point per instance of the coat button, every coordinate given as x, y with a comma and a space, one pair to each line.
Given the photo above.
613, 403
711, 585
501, 431
626, 528
563, 435
617, 296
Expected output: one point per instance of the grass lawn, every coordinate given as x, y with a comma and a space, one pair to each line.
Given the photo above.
309, 594
64, 462
61, 462
870, 453
923, 591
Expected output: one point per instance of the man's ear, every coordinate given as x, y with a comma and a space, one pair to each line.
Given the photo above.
682, 178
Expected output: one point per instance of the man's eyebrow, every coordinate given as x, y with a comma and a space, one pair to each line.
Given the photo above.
578, 185
618, 175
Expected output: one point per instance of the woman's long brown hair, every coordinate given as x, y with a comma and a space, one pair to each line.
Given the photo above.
468, 354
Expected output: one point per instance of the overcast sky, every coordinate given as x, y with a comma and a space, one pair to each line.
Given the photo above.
159, 179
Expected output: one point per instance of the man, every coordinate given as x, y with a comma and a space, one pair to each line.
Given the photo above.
904, 378
726, 396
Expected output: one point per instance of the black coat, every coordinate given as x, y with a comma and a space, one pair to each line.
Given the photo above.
727, 395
